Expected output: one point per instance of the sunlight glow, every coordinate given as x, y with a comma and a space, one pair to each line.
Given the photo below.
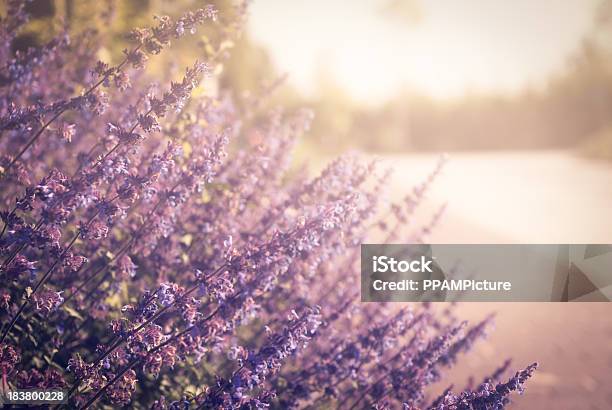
449, 49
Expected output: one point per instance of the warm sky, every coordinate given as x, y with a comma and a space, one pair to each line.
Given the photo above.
440, 47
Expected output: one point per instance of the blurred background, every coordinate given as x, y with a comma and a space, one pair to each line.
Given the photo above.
518, 93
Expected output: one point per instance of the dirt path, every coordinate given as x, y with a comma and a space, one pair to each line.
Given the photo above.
537, 197
515, 197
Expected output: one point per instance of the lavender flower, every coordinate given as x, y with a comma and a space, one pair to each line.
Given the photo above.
47, 301
145, 248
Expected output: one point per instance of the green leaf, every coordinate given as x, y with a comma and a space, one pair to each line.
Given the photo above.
73, 313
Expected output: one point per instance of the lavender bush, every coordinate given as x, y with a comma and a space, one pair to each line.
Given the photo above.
153, 255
